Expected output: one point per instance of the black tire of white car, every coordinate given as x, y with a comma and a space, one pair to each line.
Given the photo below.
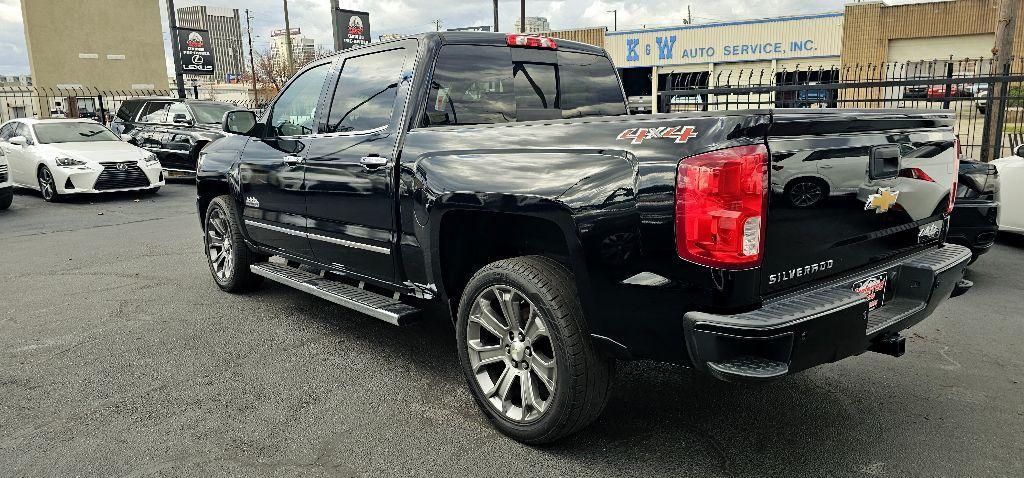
230, 270
6, 198
583, 376
47, 185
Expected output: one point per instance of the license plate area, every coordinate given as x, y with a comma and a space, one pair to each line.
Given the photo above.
876, 288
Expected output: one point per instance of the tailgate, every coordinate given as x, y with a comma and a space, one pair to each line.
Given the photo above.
851, 188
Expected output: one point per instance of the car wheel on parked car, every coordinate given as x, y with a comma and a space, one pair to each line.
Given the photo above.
47, 186
226, 252
806, 192
6, 198
526, 353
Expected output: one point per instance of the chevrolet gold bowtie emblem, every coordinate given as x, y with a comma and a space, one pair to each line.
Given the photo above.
882, 201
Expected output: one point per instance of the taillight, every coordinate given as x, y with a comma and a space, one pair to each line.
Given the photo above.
531, 41
916, 173
956, 175
721, 202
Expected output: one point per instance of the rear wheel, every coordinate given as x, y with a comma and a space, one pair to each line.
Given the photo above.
47, 186
227, 254
806, 192
526, 352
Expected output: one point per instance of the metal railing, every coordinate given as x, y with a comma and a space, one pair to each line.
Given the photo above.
964, 86
81, 102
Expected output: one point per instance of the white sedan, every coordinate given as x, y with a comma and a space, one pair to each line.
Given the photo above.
1011, 194
72, 156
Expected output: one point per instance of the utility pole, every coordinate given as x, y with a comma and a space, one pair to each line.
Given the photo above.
172, 23
615, 19
334, 23
496, 28
522, 16
689, 16
437, 25
288, 41
1002, 56
252, 59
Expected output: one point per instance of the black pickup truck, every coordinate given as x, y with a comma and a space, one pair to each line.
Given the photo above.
498, 178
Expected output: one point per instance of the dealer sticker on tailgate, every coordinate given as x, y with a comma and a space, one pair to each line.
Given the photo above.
873, 289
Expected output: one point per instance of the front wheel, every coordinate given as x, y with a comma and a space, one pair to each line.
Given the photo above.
47, 185
227, 254
526, 352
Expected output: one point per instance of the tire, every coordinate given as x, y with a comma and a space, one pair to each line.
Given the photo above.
47, 185
6, 198
806, 192
222, 233
580, 377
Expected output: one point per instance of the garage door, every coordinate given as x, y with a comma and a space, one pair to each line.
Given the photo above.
959, 46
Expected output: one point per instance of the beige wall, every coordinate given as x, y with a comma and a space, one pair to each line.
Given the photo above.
592, 36
955, 26
79, 42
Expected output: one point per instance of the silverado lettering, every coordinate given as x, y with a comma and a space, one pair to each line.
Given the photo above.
800, 271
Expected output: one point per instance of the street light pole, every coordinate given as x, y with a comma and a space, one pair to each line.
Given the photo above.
288, 41
252, 59
522, 16
172, 23
615, 19
496, 29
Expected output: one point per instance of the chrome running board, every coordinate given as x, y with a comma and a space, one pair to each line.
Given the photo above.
388, 309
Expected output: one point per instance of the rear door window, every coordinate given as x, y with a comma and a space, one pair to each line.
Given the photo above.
365, 94
129, 110
154, 112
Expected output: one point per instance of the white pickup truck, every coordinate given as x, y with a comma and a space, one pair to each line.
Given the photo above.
6, 188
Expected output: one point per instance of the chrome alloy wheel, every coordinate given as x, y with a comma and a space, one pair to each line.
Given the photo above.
219, 244
806, 194
511, 353
46, 186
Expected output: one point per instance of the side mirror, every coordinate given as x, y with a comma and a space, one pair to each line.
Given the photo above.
18, 141
239, 121
1020, 151
181, 118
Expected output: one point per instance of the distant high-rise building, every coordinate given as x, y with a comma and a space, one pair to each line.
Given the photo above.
534, 25
303, 49
225, 29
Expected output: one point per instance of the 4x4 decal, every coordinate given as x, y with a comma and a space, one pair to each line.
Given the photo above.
680, 134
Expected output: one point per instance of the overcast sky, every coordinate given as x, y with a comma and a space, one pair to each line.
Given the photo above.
413, 16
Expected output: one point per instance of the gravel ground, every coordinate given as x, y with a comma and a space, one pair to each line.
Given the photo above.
120, 357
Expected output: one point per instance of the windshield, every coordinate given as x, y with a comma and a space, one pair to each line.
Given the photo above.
72, 132
211, 113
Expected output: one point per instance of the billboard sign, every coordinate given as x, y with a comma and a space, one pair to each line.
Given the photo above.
352, 29
196, 52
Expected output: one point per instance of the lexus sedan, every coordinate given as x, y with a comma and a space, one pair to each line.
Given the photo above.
60, 157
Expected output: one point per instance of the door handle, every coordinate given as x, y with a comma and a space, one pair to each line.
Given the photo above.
826, 166
373, 162
292, 160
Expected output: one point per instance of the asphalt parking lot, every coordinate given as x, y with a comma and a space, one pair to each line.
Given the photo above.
120, 357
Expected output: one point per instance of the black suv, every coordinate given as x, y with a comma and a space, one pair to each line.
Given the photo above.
173, 129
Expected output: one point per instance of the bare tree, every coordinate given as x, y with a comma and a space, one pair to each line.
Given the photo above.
272, 71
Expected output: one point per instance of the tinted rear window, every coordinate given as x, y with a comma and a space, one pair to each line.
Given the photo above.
129, 109
474, 84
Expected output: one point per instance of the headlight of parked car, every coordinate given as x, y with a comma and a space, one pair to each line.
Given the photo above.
69, 162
